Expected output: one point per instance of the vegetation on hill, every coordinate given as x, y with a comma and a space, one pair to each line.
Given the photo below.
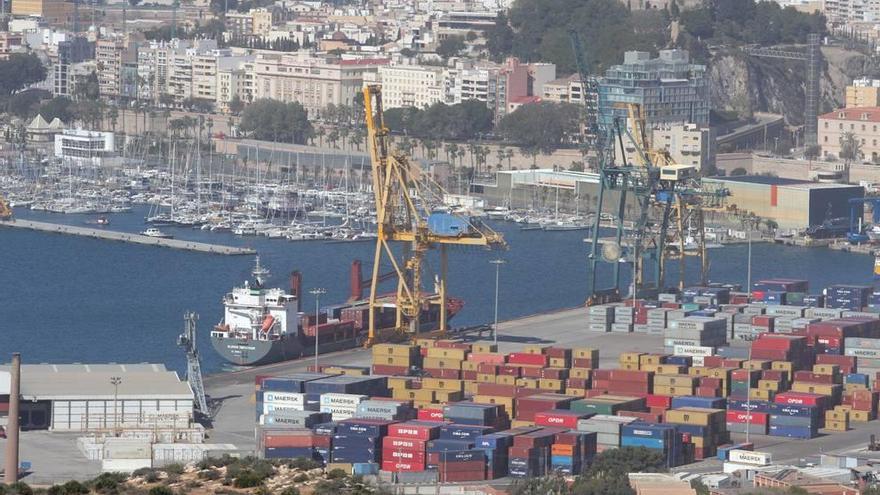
538, 30
462, 121
273, 120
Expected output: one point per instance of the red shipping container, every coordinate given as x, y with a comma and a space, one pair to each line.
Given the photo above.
556, 417
810, 377
421, 430
773, 375
509, 371
630, 375
577, 383
404, 455
451, 344
453, 472
288, 440
731, 363
707, 392
663, 401
400, 443
708, 381
386, 369
554, 373
800, 399
443, 373
396, 466
757, 418
593, 392
488, 368
765, 321
846, 363
469, 375
582, 363
521, 451
712, 361
601, 374
670, 305
527, 359
558, 352
629, 388
489, 358
744, 375
540, 438
650, 417
531, 372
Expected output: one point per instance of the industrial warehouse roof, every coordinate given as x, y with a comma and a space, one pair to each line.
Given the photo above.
92, 382
761, 179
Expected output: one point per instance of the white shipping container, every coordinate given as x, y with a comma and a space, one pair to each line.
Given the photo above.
275, 408
350, 400
693, 350
126, 448
749, 457
278, 398
334, 410
863, 352
698, 361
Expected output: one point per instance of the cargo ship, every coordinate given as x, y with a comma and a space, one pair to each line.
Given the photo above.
263, 325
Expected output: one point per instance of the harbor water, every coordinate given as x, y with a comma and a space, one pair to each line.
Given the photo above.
76, 299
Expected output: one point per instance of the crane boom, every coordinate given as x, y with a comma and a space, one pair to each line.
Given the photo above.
403, 199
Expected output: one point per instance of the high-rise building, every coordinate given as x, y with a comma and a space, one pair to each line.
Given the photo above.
668, 89
411, 86
863, 93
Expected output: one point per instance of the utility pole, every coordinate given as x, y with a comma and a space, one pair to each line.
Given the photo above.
12, 424
497, 262
115, 381
317, 293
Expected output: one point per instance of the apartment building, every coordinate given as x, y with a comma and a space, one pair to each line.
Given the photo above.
411, 86
239, 25
863, 93
498, 85
863, 123
9, 43
843, 11
687, 144
314, 81
110, 55
669, 89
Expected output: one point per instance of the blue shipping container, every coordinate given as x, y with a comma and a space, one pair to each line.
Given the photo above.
692, 401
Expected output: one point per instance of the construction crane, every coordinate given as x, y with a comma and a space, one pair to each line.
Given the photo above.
813, 59
404, 197
187, 340
612, 145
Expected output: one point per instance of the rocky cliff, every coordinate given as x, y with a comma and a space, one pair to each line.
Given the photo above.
748, 84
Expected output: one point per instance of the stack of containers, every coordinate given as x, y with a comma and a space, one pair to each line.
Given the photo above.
388, 409
607, 429
359, 441
395, 359
775, 290
600, 318
290, 443
832, 334
623, 319
284, 392
471, 413
608, 405
696, 331
495, 447
663, 438
866, 352
572, 451
851, 297
752, 417
341, 406
445, 361
703, 427
793, 420
404, 449
440, 390
861, 404
788, 348
465, 465
531, 454
742, 381
527, 407
657, 320
622, 381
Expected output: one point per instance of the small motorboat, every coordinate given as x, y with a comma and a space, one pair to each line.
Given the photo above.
154, 232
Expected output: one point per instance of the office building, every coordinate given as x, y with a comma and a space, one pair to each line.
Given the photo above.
863, 93
862, 123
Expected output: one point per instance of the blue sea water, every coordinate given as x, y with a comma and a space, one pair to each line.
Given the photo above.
75, 299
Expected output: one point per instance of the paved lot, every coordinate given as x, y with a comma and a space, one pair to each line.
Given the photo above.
55, 457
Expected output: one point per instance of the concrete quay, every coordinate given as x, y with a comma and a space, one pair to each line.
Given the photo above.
112, 235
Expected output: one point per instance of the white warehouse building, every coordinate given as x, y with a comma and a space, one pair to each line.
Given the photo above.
83, 397
84, 148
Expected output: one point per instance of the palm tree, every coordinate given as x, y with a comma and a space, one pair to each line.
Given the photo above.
500, 153
850, 147
509, 155
451, 150
357, 138
320, 133
333, 138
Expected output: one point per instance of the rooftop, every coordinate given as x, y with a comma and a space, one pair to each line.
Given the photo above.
92, 381
863, 114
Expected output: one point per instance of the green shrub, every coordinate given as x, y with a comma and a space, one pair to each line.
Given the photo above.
175, 468
304, 463
301, 477
209, 474
19, 488
336, 474
74, 488
248, 479
290, 490
161, 490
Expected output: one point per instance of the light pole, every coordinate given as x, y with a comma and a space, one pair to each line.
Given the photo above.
749, 396
115, 381
749, 263
317, 293
497, 262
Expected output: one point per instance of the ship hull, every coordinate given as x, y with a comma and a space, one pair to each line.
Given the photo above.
246, 352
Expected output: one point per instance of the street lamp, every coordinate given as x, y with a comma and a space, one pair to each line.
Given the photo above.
115, 381
750, 227
497, 262
317, 293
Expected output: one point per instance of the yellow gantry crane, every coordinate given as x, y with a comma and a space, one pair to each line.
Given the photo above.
404, 195
5, 210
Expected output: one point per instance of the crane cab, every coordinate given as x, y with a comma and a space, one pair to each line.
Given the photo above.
677, 172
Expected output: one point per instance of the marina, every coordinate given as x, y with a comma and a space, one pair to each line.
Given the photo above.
127, 237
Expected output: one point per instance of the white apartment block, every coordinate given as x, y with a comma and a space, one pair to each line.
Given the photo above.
842, 11
313, 81
411, 86
687, 144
